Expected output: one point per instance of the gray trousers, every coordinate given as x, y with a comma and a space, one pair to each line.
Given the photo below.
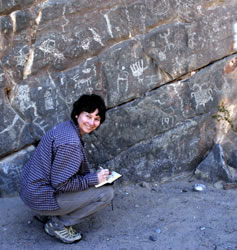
74, 206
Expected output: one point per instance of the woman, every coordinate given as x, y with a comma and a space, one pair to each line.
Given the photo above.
56, 181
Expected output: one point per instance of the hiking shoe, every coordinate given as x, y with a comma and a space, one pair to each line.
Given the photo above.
64, 234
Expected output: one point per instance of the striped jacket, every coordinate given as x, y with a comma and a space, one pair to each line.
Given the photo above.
59, 164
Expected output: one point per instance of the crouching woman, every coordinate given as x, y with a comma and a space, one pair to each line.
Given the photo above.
56, 182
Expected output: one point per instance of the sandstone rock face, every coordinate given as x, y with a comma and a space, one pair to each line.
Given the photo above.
162, 66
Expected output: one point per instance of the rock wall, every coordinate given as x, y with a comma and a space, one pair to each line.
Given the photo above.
163, 67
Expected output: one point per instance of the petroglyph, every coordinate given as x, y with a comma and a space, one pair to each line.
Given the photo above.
162, 99
122, 79
87, 78
79, 81
165, 37
66, 21
166, 117
235, 36
67, 93
192, 40
85, 44
159, 8
43, 125
167, 120
162, 56
184, 5
109, 27
202, 94
21, 58
49, 48
48, 100
137, 69
142, 15
23, 93
152, 79
96, 36
11, 126
86, 71
216, 25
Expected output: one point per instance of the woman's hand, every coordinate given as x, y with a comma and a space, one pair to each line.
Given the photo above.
102, 175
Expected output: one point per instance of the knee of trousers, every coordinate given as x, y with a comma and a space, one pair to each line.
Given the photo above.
108, 194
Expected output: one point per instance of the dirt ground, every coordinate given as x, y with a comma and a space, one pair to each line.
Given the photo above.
144, 216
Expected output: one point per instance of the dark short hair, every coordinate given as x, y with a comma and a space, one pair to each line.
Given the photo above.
89, 103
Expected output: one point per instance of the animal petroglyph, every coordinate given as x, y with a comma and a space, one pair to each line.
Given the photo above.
77, 79
202, 94
138, 69
49, 48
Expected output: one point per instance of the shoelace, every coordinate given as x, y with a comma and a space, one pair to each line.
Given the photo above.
68, 232
72, 231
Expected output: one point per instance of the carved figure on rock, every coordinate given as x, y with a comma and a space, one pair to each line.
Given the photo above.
202, 94
159, 8
137, 69
57, 183
122, 80
21, 58
49, 48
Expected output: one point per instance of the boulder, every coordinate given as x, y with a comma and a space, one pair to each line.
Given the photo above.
10, 171
213, 168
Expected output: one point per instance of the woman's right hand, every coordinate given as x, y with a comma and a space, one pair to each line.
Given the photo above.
103, 175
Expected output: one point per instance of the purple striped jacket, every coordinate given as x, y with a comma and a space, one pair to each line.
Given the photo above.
59, 164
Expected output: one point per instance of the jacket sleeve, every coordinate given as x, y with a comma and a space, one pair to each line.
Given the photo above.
65, 167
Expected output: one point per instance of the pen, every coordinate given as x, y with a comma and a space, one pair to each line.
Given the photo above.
103, 168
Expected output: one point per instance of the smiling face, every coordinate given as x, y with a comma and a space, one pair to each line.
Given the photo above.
88, 122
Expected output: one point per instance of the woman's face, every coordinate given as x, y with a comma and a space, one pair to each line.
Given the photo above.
88, 122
